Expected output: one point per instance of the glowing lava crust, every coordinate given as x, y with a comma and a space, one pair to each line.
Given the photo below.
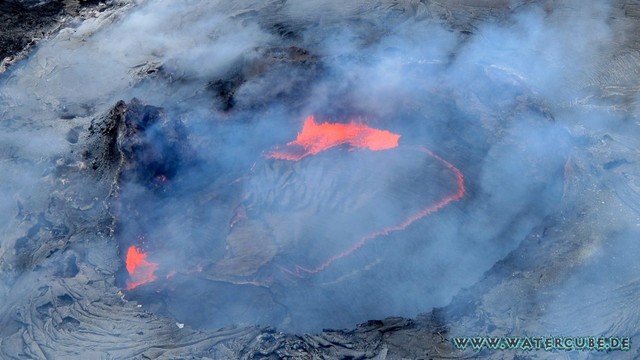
315, 138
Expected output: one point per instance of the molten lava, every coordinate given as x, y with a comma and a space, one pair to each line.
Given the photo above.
315, 138
141, 271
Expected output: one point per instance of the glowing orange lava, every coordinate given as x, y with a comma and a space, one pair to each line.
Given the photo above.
315, 138
141, 271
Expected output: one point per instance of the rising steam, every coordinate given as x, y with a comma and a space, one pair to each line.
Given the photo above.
460, 155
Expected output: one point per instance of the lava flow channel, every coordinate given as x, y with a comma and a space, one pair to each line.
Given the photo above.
141, 271
315, 138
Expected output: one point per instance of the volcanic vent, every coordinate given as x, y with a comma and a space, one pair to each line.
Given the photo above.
290, 226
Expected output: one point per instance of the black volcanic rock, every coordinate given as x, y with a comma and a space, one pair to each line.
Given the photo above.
259, 77
20, 23
24, 22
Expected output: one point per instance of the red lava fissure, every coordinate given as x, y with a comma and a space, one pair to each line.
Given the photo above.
315, 138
